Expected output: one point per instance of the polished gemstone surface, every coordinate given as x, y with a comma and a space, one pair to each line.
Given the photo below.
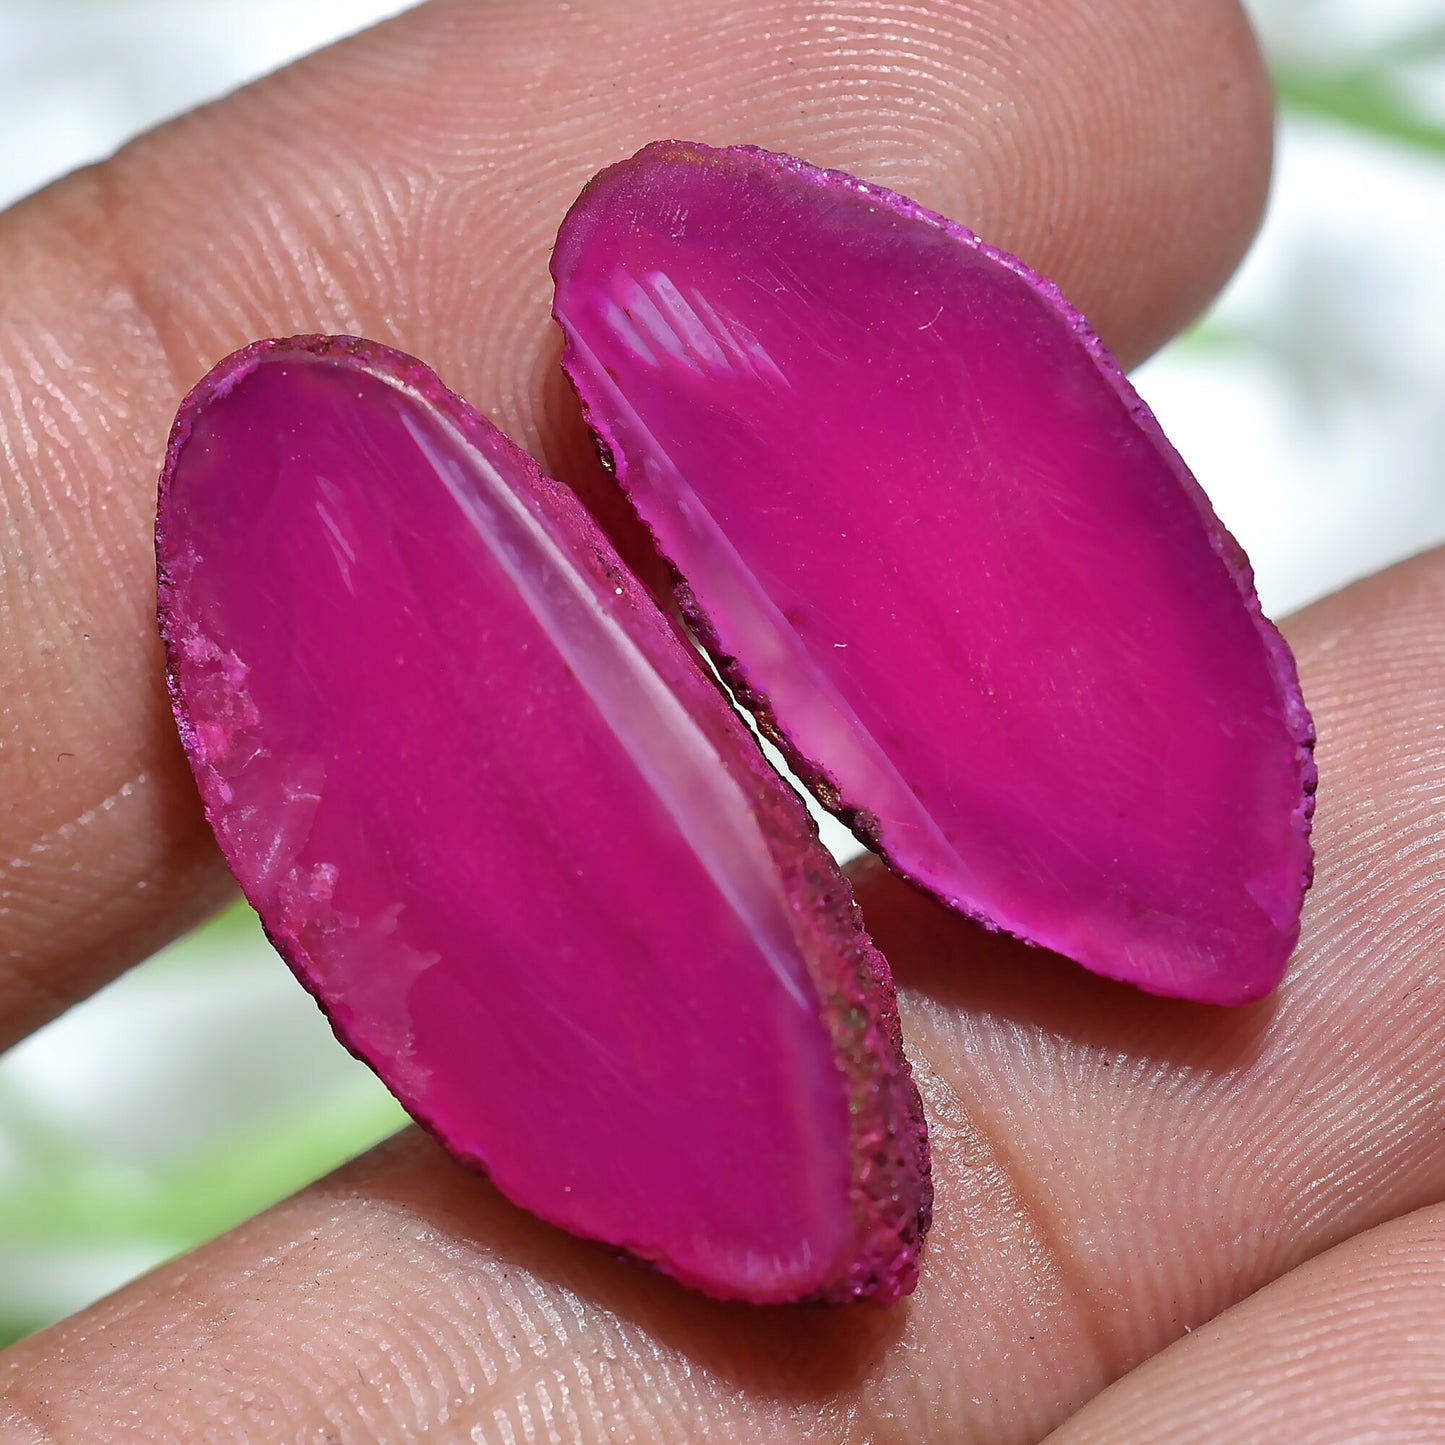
930, 533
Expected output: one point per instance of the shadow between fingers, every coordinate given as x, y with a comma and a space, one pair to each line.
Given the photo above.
572, 455
788, 1354
956, 963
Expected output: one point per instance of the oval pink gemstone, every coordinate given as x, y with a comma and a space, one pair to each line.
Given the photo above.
503, 826
933, 538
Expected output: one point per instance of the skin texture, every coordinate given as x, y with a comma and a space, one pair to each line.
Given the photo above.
1111, 1169
1361, 1326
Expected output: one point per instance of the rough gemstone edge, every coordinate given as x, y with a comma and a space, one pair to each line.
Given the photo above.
890, 1188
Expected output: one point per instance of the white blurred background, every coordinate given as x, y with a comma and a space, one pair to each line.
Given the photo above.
204, 1085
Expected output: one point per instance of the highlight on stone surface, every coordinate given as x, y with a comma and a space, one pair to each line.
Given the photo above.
501, 823
937, 544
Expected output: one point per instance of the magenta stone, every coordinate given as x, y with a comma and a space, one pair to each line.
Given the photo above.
506, 829
934, 540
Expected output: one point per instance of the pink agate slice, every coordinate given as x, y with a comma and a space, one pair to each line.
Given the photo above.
503, 826
933, 538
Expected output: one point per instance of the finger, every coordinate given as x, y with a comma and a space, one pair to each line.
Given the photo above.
1347, 1347
406, 185
1110, 1169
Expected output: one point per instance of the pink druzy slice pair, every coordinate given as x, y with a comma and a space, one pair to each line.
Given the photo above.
508, 830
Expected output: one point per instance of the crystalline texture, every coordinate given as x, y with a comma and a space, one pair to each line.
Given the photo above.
502, 825
931, 535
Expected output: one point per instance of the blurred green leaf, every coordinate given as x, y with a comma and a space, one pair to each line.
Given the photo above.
181, 1205
1364, 100
1210, 334
1415, 47
237, 1177
234, 929
16, 1327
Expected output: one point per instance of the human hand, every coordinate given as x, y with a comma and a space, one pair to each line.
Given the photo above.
1111, 1169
